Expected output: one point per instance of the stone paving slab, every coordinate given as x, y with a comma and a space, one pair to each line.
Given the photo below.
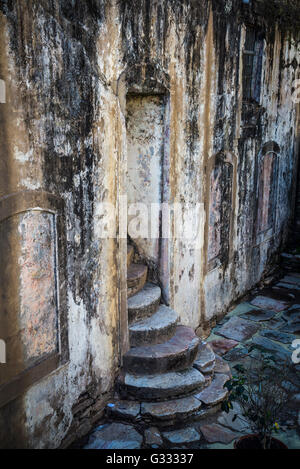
126, 409
278, 336
259, 315
236, 354
238, 424
215, 433
270, 346
115, 436
265, 302
153, 437
222, 366
221, 346
240, 309
185, 436
238, 329
292, 327
292, 314
275, 323
215, 392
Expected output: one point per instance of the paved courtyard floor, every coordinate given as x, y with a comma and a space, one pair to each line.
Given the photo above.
269, 318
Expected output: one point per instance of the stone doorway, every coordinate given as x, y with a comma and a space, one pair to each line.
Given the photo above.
148, 180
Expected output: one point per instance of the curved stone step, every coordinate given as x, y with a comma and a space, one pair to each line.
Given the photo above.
136, 278
215, 392
156, 329
144, 303
130, 252
173, 411
177, 353
160, 386
127, 410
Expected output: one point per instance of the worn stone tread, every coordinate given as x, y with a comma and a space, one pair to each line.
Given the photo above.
129, 410
144, 303
114, 436
171, 410
156, 329
177, 353
136, 278
161, 386
215, 392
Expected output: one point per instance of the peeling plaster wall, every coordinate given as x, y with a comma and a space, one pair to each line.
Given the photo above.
63, 132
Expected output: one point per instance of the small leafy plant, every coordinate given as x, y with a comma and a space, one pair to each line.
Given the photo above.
259, 391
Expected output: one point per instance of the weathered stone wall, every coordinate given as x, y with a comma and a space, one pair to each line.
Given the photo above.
67, 66
61, 133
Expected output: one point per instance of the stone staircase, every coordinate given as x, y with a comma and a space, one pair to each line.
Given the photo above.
290, 261
169, 377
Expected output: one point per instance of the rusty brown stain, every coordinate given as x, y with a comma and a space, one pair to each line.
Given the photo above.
207, 147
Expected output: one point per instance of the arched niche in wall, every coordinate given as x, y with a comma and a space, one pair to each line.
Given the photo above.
220, 209
142, 79
143, 91
33, 319
266, 191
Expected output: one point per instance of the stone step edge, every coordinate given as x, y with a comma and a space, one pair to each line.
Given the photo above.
138, 276
127, 392
136, 284
177, 420
155, 334
143, 304
143, 361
